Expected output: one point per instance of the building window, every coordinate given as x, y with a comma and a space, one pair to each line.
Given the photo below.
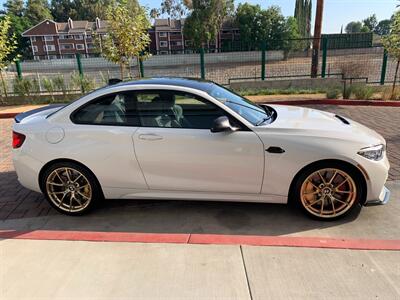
52, 56
66, 46
176, 43
80, 46
33, 38
162, 34
163, 52
78, 37
163, 44
90, 46
175, 33
188, 43
65, 37
68, 56
34, 49
49, 38
89, 36
49, 48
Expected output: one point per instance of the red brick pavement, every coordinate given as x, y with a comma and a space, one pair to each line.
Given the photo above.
17, 202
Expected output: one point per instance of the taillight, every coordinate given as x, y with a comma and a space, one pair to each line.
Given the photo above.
18, 139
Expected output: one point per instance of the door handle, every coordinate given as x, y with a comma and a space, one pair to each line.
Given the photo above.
150, 137
274, 149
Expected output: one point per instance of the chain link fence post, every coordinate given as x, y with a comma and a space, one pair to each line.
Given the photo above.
324, 56
18, 68
263, 59
202, 66
80, 70
384, 67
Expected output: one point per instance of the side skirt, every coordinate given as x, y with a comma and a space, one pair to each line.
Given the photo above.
117, 193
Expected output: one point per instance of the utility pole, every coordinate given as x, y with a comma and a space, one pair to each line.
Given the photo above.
317, 38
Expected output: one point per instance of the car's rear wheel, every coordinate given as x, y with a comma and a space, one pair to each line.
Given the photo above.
70, 188
329, 192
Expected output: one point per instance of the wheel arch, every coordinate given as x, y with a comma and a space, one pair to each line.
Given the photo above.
61, 160
360, 173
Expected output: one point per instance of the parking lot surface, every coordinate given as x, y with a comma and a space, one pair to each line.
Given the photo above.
21, 209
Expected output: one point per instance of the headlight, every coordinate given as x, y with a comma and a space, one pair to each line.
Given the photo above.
373, 152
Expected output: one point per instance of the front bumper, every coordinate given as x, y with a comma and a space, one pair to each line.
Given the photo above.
384, 198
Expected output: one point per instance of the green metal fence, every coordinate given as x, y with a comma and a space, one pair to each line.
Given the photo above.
273, 60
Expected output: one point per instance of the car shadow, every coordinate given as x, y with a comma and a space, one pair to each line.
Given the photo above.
23, 210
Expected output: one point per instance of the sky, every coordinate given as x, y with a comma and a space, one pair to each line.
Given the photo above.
336, 13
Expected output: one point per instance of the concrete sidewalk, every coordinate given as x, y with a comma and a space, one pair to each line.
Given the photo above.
98, 270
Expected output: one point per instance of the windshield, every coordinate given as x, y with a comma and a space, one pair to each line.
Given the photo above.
252, 112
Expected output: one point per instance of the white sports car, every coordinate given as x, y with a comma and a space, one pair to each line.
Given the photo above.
177, 138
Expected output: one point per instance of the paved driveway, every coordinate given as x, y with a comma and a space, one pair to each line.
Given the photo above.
17, 203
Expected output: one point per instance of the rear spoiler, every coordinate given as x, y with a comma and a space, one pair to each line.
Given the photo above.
18, 118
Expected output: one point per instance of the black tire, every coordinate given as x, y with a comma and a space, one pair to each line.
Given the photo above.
355, 199
57, 175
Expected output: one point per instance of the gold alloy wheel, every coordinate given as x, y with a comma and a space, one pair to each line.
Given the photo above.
328, 193
69, 189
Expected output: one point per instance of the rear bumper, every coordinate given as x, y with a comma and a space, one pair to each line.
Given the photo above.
27, 169
384, 198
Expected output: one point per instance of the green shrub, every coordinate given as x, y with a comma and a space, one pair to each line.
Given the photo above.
59, 84
333, 94
83, 83
48, 85
363, 92
22, 87
347, 92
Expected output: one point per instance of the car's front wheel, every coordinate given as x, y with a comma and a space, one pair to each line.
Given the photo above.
70, 188
328, 191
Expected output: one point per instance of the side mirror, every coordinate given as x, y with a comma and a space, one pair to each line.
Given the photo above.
222, 124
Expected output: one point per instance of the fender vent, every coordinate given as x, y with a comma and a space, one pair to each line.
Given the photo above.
342, 119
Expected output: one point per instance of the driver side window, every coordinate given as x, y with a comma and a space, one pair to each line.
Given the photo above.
173, 109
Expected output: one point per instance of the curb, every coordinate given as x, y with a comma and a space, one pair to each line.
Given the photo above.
204, 239
8, 115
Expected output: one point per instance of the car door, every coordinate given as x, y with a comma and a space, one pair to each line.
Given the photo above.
101, 139
177, 151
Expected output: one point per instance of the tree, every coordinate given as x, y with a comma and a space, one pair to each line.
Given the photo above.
37, 11
15, 7
302, 14
370, 23
257, 25
90, 9
154, 13
392, 45
17, 27
127, 37
383, 27
62, 9
353, 27
175, 9
7, 46
205, 20
248, 20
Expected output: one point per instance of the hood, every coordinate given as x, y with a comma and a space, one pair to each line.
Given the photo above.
312, 122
